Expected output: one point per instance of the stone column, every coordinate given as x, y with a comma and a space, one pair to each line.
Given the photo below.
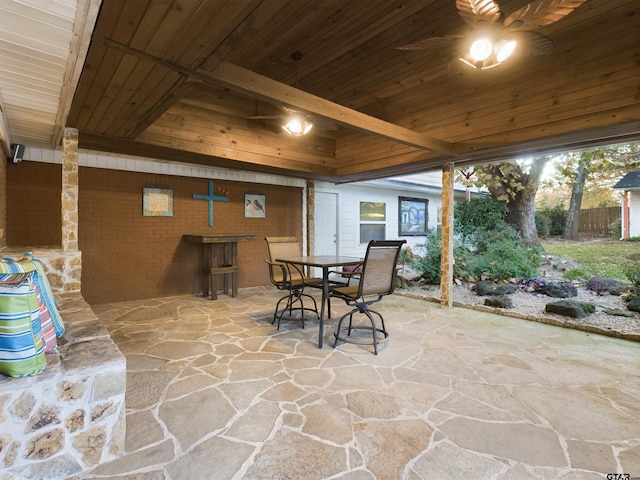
70, 190
311, 216
446, 266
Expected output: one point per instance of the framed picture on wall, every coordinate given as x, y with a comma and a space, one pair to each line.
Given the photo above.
157, 202
254, 205
413, 216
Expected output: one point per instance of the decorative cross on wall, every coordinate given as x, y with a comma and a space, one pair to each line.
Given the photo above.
210, 198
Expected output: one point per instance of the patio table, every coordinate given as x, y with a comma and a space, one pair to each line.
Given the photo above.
325, 262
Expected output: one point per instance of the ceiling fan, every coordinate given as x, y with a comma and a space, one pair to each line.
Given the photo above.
297, 123
304, 119
494, 36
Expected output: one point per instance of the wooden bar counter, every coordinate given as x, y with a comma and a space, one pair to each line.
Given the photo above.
220, 257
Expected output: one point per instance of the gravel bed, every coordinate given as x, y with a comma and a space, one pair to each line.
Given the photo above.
531, 306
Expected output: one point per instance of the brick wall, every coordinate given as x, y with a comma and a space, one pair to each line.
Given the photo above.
33, 204
126, 256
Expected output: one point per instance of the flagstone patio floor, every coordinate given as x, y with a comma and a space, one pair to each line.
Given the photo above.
215, 391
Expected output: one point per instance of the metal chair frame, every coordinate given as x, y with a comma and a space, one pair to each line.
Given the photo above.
290, 278
377, 279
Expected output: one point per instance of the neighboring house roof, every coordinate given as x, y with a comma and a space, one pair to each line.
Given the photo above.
426, 183
630, 181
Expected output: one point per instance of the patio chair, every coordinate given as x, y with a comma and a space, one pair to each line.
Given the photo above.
377, 279
291, 279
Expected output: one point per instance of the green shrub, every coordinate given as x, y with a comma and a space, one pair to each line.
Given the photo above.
557, 217
488, 247
543, 224
480, 213
631, 270
429, 264
482, 239
575, 274
406, 256
503, 260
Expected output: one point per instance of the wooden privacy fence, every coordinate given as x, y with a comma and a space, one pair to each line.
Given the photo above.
596, 221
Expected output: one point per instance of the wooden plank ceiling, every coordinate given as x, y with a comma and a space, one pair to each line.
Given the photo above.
178, 80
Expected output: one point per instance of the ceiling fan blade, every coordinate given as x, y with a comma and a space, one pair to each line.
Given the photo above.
532, 44
431, 42
540, 13
264, 117
324, 125
475, 12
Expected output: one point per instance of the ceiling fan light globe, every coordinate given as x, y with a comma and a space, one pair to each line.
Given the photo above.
481, 49
504, 49
297, 127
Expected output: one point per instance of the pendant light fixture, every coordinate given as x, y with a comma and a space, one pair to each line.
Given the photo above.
296, 125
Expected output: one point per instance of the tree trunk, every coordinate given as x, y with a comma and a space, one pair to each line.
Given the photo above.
522, 204
522, 214
573, 215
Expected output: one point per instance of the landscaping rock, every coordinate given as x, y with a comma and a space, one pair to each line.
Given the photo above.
601, 286
619, 313
501, 301
571, 308
409, 274
619, 288
487, 287
559, 289
634, 304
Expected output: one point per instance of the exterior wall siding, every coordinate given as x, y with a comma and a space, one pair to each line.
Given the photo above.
634, 213
349, 198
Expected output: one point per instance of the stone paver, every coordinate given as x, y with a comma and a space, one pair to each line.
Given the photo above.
215, 391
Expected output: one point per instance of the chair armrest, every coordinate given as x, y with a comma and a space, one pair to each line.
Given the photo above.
353, 272
280, 283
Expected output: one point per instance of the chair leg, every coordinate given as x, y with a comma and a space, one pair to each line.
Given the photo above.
278, 312
373, 332
373, 328
336, 334
295, 302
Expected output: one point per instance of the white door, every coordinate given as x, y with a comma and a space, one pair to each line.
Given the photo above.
326, 224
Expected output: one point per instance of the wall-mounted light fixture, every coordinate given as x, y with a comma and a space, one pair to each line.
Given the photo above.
16, 152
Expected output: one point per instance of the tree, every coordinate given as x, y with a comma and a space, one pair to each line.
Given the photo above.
516, 184
591, 174
573, 215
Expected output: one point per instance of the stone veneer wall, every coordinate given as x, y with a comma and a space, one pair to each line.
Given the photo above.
64, 269
71, 417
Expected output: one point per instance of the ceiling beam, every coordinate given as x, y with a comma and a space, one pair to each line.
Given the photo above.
255, 85
258, 86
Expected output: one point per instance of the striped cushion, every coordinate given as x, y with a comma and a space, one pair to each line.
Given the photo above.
46, 324
28, 263
21, 346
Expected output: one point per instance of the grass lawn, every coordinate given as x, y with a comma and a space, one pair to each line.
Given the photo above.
598, 257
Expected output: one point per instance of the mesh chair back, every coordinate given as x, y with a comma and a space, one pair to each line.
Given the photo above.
379, 269
283, 247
